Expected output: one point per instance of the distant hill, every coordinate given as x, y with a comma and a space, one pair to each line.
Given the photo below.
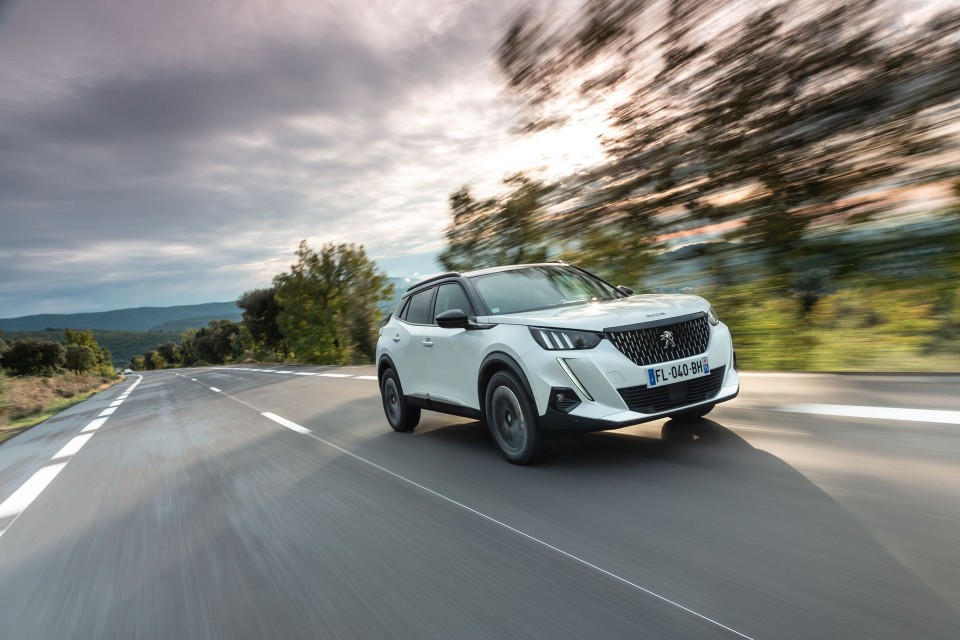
182, 325
139, 319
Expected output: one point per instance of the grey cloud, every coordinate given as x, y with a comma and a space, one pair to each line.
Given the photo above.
156, 155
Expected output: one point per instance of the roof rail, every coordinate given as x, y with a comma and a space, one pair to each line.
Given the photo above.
429, 279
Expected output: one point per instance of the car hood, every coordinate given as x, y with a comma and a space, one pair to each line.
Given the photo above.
598, 316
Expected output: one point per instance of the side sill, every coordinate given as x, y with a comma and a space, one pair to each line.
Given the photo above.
444, 407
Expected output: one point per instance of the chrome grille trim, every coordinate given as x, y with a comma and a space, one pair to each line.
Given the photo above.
644, 347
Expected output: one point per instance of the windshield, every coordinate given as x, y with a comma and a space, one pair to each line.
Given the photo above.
533, 288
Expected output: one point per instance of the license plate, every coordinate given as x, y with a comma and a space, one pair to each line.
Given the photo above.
668, 374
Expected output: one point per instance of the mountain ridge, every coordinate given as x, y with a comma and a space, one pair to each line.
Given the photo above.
132, 319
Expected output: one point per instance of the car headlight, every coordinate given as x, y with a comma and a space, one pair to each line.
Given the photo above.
712, 317
565, 339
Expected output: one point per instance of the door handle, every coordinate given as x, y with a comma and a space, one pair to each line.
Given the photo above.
428, 342
396, 338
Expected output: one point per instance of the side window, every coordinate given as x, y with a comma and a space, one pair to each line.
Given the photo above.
402, 309
451, 296
418, 311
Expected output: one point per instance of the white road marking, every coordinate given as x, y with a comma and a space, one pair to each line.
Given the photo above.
94, 425
28, 492
288, 424
116, 403
335, 375
72, 447
365, 377
215, 389
193, 379
305, 373
880, 413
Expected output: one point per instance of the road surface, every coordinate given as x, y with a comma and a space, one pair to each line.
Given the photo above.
250, 502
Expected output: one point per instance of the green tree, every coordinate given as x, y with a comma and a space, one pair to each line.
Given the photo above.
80, 358
260, 316
217, 343
138, 363
98, 359
499, 231
329, 304
170, 352
153, 361
33, 357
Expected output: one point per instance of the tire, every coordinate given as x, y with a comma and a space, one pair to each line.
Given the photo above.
512, 419
400, 415
693, 414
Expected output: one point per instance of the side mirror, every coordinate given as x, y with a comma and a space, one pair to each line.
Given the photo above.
453, 319
627, 291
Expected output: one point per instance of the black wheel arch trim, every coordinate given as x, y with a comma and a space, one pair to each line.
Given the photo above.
513, 366
381, 368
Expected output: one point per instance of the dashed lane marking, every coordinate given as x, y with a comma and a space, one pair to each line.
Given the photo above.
29, 490
17, 502
72, 447
94, 425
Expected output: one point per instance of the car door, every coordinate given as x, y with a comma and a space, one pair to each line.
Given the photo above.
408, 337
452, 372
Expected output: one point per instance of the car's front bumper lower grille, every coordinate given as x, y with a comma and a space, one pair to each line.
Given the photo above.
663, 342
643, 399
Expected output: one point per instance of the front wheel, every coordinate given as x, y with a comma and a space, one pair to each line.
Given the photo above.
512, 419
400, 415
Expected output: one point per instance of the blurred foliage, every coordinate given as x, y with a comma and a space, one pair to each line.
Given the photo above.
764, 154
505, 230
867, 325
773, 119
328, 304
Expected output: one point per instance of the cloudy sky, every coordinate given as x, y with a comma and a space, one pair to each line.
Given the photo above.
176, 152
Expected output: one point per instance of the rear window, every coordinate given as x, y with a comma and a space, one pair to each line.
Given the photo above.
418, 311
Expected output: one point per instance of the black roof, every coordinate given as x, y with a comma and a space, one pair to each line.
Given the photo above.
479, 272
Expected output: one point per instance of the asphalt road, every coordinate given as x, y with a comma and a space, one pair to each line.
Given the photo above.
189, 513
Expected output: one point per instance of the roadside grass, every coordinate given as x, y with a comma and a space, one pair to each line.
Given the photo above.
29, 400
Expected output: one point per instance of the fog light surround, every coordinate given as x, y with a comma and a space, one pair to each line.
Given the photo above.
564, 399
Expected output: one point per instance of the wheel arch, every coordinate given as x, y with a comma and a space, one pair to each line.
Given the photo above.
385, 363
496, 362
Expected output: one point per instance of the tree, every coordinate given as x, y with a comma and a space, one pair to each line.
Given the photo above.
801, 114
260, 316
32, 357
217, 343
170, 352
153, 361
329, 303
85, 354
138, 363
80, 358
506, 230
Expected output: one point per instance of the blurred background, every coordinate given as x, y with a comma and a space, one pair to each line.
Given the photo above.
796, 163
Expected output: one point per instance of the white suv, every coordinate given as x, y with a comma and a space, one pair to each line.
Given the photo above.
546, 348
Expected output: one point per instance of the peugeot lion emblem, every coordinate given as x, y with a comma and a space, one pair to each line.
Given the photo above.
667, 339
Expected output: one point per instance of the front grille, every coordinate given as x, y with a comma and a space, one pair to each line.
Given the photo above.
656, 399
645, 346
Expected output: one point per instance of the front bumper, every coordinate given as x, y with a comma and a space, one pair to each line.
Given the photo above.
598, 377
